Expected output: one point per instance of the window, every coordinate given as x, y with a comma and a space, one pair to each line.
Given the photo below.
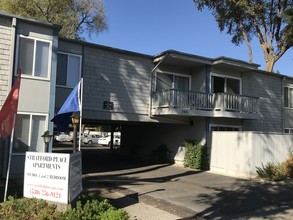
68, 69
28, 131
288, 97
166, 81
34, 57
225, 85
225, 128
288, 130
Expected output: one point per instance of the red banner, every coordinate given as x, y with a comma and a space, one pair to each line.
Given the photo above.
9, 109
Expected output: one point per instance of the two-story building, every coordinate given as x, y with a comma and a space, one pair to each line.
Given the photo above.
155, 100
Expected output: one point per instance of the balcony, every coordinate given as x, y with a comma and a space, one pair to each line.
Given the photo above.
188, 103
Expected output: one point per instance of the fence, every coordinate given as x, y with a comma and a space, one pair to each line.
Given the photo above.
238, 153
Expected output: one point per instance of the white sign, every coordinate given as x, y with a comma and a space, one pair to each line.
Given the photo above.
75, 173
46, 176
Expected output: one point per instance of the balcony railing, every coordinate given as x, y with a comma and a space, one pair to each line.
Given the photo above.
203, 101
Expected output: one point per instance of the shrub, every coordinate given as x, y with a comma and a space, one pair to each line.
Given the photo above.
196, 156
288, 165
25, 208
95, 209
272, 171
34, 209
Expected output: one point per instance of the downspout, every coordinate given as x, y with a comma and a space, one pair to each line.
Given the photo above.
12, 52
282, 103
151, 83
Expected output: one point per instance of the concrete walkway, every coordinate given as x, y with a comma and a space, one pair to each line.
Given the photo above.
182, 192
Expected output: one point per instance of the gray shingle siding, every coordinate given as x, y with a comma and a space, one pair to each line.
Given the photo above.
121, 78
5, 45
269, 90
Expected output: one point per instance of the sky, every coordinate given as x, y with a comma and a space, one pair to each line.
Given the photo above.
153, 26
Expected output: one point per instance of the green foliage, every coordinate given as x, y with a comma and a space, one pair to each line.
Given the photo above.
196, 156
246, 19
76, 17
28, 209
34, 209
272, 171
95, 209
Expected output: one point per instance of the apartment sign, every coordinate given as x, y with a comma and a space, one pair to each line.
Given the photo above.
47, 176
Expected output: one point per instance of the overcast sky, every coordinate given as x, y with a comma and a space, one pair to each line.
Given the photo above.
153, 26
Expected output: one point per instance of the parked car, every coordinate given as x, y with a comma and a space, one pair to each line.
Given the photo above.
63, 137
107, 140
91, 138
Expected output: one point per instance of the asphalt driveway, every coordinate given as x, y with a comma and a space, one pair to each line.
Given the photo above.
187, 193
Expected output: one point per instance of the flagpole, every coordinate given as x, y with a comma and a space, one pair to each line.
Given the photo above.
80, 113
9, 158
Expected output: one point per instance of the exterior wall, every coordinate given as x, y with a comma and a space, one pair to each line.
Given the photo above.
142, 139
6, 48
120, 78
226, 72
5, 58
269, 90
239, 153
36, 94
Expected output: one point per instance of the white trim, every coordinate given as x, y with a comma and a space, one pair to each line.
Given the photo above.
48, 77
67, 73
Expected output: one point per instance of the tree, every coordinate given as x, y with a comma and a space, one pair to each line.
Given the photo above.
77, 17
245, 19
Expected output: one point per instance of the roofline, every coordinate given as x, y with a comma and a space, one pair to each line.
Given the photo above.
106, 47
29, 20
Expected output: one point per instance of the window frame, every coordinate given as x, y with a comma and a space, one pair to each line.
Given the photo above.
290, 105
290, 130
80, 68
225, 85
173, 74
35, 39
225, 126
30, 128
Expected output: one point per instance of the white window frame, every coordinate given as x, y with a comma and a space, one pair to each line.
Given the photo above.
34, 58
225, 126
30, 126
80, 67
174, 74
225, 77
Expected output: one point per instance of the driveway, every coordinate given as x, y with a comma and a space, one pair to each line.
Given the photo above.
185, 192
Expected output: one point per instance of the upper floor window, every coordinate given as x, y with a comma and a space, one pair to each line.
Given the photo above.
166, 81
288, 97
68, 69
34, 56
227, 85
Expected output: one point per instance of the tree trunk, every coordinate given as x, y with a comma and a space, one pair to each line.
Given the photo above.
270, 63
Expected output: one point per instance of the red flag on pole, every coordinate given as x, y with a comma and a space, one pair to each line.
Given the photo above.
9, 109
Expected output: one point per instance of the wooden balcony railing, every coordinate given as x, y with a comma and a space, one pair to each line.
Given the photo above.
203, 101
